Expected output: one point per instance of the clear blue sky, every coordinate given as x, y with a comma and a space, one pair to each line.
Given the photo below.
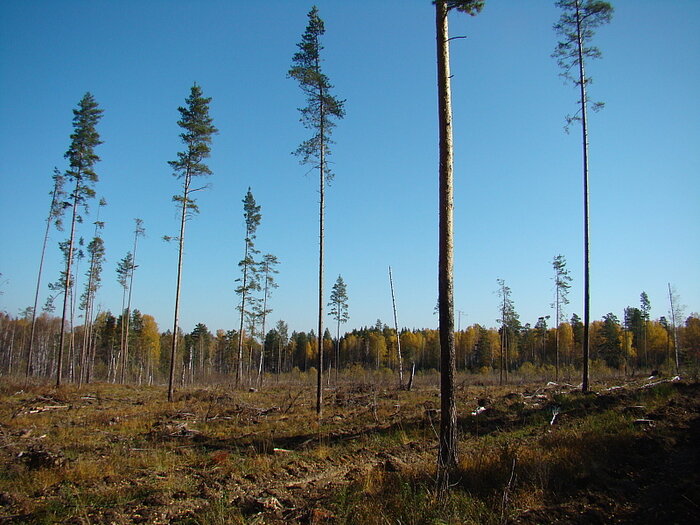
518, 175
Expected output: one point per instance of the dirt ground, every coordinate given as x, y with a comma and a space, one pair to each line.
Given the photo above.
111, 454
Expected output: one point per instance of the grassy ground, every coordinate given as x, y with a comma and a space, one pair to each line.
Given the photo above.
119, 454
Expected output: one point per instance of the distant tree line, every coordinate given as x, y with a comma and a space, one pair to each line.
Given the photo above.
630, 343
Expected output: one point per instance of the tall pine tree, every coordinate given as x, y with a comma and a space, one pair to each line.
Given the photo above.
317, 116
81, 159
576, 27
250, 278
447, 456
198, 129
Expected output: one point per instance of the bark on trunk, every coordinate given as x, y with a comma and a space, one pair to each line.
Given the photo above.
448, 419
586, 243
321, 210
173, 350
38, 283
128, 305
69, 267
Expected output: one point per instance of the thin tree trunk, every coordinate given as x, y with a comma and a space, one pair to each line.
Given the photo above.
67, 284
128, 303
337, 346
173, 350
321, 209
119, 369
38, 282
586, 237
447, 458
673, 327
556, 327
244, 284
503, 335
396, 327
89, 300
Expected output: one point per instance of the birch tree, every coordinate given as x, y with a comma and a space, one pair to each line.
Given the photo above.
318, 116
396, 329
198, 129
576, 27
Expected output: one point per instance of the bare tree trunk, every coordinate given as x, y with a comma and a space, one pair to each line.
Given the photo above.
128, 303
173, 350
239, 368
67, 284
447, 459
556, 328
120, 359
673, 327
38, 281
337, 349
586, 237
321, 211
262, 336
396, 327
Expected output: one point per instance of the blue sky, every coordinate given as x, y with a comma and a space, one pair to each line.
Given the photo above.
518, 183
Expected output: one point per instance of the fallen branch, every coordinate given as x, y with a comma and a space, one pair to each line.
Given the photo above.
37, 410
291, 403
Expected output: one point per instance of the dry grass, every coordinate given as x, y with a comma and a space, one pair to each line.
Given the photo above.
119, 454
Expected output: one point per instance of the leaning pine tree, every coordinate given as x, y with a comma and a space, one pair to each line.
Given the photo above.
318, 115
55, 212
198, 129
81, 158
576, 27
447, 456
